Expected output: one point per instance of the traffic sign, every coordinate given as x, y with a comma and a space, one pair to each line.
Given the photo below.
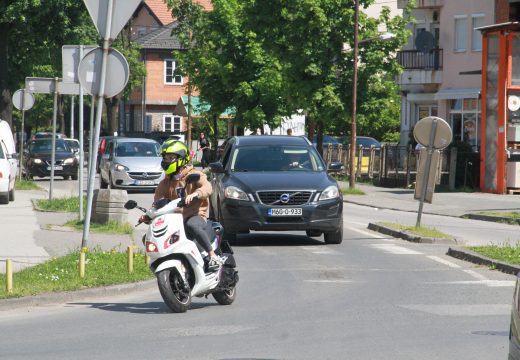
441, 136
120, 12
49, 86
23, 97
70, 61
117, 72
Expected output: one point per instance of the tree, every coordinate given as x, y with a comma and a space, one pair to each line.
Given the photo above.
31, 35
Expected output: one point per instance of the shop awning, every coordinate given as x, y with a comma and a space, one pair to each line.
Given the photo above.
421, 97
452, 94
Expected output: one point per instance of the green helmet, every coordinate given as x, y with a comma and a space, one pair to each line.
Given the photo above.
178, 148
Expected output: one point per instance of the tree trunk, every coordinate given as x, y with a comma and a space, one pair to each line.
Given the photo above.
112, 105
6, 105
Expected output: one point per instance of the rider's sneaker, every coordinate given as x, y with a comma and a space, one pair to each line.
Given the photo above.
214, 263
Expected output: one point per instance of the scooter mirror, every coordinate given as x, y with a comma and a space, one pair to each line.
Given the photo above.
192, 178
130, 204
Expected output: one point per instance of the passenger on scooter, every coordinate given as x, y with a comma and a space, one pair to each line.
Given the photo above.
176, 156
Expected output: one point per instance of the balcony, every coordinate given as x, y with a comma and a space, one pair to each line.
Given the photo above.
421, 4
420, 68
418, 60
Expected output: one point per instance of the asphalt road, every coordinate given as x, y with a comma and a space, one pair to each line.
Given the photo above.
371, 297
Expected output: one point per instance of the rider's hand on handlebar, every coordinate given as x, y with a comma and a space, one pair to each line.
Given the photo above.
189, 198
144, 219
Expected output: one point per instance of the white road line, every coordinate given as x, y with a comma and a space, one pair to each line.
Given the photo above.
394, 249
476, 275
372, 235
443, 261
321, 250
489, 283
330, 281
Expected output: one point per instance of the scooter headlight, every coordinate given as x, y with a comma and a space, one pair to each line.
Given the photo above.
151, 247
174, 238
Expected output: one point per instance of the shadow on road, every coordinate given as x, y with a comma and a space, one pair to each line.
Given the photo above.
135, 308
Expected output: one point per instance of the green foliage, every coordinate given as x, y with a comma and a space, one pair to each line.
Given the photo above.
64, 204
102, 268
505, 253
111, 227
421, 230
26, 185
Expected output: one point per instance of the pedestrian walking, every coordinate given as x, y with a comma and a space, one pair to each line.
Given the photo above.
204, 147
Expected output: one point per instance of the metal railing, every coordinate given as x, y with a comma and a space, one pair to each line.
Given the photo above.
418, 60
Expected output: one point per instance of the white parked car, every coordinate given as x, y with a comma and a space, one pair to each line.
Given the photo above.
8, 163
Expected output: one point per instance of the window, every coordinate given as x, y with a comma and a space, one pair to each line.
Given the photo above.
147, 126
172, 123
460, 34
477, 20
169, 73
465, 121
427, 110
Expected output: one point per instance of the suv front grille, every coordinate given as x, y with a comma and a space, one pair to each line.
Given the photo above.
295, 197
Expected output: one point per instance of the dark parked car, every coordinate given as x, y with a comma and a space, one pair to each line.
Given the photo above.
37, 159
275, 183
364, 141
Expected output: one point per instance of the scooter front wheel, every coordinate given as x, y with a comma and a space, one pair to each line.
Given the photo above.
225, 297
174, 292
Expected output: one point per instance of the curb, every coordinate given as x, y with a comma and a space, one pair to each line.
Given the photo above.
492, 218
409, 237
68, 296
468, 255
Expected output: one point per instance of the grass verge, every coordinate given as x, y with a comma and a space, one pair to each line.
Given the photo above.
350, 191
420, 231
513, 215
111, 227
65, 204
506, 253
102, 268
26, 185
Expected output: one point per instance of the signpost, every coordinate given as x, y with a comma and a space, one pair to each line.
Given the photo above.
22, 100
434, 134
109, 17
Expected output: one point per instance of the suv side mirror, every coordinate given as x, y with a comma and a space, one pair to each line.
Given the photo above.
216, 167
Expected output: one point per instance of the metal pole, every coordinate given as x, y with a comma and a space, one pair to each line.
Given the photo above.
352, 180
81, 140
53, 141
426, 176
72, 117
99, 113
21, 134
91, 132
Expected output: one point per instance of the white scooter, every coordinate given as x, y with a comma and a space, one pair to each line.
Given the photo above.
178, 264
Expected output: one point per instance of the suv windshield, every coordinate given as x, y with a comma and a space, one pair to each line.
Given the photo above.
45, 145
276, 158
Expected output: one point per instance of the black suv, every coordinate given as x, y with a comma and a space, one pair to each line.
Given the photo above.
275, 183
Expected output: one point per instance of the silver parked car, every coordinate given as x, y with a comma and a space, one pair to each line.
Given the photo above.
131, 163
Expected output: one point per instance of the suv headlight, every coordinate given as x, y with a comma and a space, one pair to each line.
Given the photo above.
120, 167
68, 161
330, 192
37, 161
232, 192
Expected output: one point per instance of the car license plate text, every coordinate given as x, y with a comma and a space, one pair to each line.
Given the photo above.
56, 167
144, 182
284, 212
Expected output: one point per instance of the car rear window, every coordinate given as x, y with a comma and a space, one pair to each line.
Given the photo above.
275, 158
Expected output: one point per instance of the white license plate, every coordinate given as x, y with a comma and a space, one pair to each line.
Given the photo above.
144, 182
285, 212
56, 167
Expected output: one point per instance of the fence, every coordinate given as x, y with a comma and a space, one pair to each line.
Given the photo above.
396, 166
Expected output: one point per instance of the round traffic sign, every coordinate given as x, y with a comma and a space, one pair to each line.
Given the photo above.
442, 135
117, 72
28, 99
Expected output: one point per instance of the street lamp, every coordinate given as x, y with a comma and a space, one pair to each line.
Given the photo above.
382, 37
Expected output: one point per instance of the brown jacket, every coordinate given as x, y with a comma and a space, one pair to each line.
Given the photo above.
166, 189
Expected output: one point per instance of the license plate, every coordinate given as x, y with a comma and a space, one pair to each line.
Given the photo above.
144, 182
56, 167
285, 212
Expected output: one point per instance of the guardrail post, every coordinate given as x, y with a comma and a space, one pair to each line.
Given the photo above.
82, 262
130, 258
9, 276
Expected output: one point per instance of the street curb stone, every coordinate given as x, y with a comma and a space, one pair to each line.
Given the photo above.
471, 256
68, 296
491, 218
407, 236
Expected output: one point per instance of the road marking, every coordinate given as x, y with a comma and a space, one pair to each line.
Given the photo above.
321, 250
445, 262
394, 249
476, 275
372, 235
488, 283
330, 281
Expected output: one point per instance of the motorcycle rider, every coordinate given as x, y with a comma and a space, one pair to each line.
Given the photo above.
175, 161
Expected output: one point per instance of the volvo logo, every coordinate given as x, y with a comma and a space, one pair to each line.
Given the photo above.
145, 175
284, 198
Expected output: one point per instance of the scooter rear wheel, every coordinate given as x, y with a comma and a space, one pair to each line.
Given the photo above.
173, 291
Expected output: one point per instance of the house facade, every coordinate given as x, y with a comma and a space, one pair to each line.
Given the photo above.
442, 65
152, 107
